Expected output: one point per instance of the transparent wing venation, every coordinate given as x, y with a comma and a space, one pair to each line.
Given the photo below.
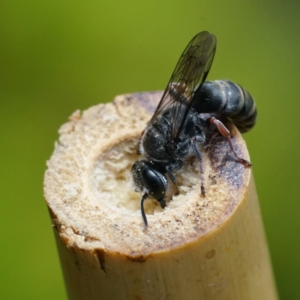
190, 72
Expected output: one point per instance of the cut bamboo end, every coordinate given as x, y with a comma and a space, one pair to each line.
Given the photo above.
209, 247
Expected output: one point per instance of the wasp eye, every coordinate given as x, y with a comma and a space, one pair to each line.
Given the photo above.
147, 178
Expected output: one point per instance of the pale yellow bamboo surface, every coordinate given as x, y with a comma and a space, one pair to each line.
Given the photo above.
197, 248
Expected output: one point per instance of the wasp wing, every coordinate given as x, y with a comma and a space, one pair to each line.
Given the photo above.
190, 72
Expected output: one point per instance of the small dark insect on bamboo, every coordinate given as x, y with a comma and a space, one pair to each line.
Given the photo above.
176, 129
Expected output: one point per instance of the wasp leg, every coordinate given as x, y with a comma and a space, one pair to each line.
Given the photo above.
175, 165
198, 155
171, 175
226, 133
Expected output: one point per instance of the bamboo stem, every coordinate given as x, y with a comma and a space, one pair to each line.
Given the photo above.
197, 248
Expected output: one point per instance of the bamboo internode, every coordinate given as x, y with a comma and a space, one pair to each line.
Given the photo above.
209, 247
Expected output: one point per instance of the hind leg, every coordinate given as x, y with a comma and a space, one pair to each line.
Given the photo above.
226, 133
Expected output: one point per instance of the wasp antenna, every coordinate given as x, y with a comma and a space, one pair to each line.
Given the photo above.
144, 197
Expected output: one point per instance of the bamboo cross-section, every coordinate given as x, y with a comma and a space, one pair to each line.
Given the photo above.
210, 247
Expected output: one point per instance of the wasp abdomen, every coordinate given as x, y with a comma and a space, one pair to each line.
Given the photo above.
227, 98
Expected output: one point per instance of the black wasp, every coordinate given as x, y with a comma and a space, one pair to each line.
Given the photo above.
176, 129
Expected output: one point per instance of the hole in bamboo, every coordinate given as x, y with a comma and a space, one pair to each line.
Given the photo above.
111, 179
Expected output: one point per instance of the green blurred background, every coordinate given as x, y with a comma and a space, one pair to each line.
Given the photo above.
59, 56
